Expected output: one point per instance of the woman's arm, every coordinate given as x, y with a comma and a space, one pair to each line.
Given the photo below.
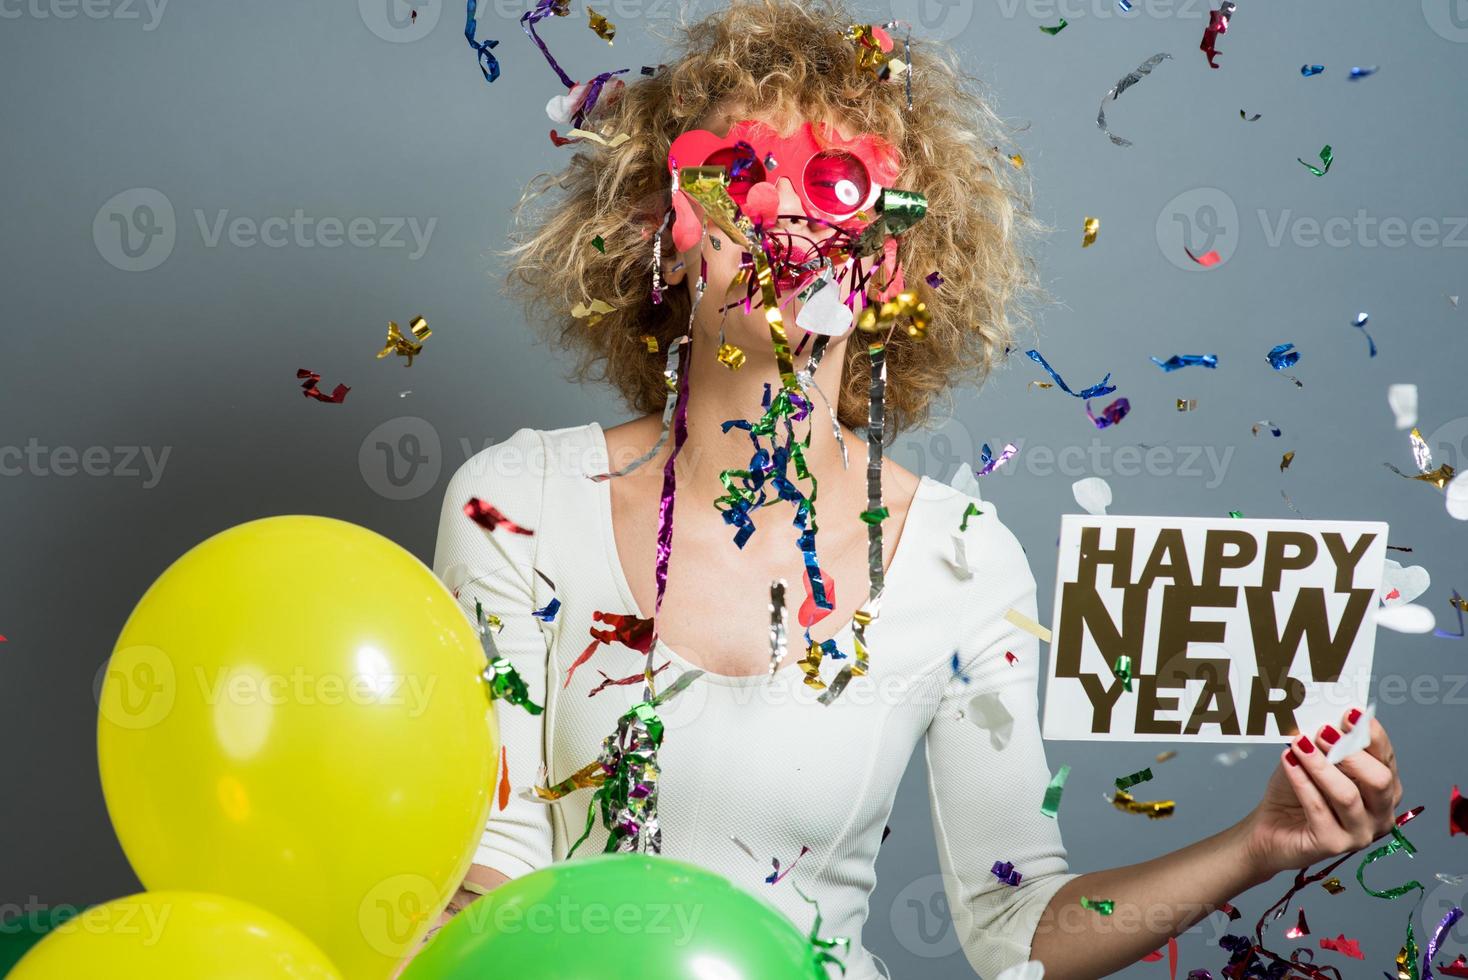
1312, 810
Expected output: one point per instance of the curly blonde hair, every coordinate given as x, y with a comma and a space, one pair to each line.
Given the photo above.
785, 57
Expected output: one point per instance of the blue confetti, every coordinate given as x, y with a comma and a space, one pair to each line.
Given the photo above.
1095, 391
1359, 73
1360, 324
488, 63
1283, 356
1308, 70
1111, 414
1186, 360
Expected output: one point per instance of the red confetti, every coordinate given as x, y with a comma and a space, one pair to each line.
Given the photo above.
1217, 24
504, 778
636, 678
1011, 658
1207, 260
810, 613
1457, 812
1393, 594
627, 630
489, 517
1156, 955
1457, 968
309, 388
1344, 946
1301, 928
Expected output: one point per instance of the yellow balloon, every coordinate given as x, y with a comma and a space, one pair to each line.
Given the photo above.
294, 716
175, 936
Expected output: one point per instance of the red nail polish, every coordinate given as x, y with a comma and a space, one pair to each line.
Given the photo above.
1329, 735
1354, 716
1305, 745
1290, 758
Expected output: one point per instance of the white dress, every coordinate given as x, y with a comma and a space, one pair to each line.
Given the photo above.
755, 757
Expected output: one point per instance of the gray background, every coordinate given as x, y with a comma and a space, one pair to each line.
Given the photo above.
263, 108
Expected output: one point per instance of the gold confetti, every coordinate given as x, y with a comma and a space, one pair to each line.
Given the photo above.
1286, 460
604, 28
731, 357
612, 143
1187, 404
1093, 228
1017, 160
1041, 384
1154, 809
651, 342
878, 317
592, 312
1165, 756
1333, 885
401, 345
1027, 624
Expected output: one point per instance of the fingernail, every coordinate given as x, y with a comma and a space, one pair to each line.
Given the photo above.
1329, 735
1290, 758
1354, 716
1305, 745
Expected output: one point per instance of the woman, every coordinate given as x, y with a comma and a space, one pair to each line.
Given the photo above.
806, 122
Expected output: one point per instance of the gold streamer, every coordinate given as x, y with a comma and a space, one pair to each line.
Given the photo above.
401, 345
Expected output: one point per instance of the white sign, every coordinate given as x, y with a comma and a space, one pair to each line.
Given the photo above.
1193, 629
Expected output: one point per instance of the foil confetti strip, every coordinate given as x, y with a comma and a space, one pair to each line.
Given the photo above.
988, 462
1102, 906
1027, 624
1327, 157
1460, 606
1360, 324
1121, 668
631, 631
1004, 871
488, 64
1111, 414
1052, 31
600, 26
1207, 260
1153, 809
777, 624
593, 311
1094, 391
638, 678
1457, 813
1050, 806
670, 377
820, 946
1274, 430
1122, 84
1187, 404
776, 875
310, 387
972, 510
504, 788
1248, 118
488, 516
1344, 946
1092, 229
1177, 361
1127, 782
1333, 885
1435, 944
502, 681
807, 379
401, 345
610, 143
1218, 21
1359, 73
1300, 929
1309, 71
538, 13
1286, 460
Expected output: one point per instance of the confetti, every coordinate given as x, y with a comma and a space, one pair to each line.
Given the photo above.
1125, 6
1004, 871
1018, 162
988, 712
1460, 606
1218, 21
488, 64
1028, 625
1094, 391
638, 678
1052, 31
1231, 757
1248, 118
1344, 946
1165, 756
489, 517
972, 510
1402, 400
1187, 404
1032, 970
1333, 885
1177, 361
1093, 494
309, 388
1235, 513
1286, 460
1457, 497
1406, 618
1457, 814
1360, 324
1127, 782
1327, 157
1092, 228
1104, 906
1207, 260
402, 346
612, 143
504, 790
1111, 414
934, 280
731, 357
1300, 929
1050, 806
1282, 356
776, 875
1309, 70
592, 312
1122, 84
1010, 658
1400, 584
1122, 669
1359, 73
1152, 809
600, 26
600, 244
988, 462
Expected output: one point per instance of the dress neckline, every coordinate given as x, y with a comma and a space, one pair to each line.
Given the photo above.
619, 576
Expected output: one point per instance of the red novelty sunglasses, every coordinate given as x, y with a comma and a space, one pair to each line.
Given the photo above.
836, 178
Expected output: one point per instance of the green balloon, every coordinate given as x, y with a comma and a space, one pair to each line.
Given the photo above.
619, 917
19, 934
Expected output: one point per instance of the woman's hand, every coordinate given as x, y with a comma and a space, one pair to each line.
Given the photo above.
1313, 810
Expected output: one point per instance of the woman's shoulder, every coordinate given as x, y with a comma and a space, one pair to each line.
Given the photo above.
531, 471
974, 540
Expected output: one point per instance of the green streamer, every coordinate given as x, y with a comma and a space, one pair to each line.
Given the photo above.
972, 511
1051, 805
1398, 842
1104, 906
1123, 671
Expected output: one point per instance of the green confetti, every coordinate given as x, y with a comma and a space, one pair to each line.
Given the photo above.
1326, 157
1127, 782
1105, 906
1052, 31
972, 511
1123, 671
1235, 513
875, 516
1051, 805
1397, 843
600, 244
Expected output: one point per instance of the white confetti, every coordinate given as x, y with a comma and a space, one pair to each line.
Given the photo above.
987, 711
1408, 583
1403, 402
1406, 618
960, 564
1033, 970
823, 312
1230, 757
1354, 740
1093, 494
964, 481
1458, 497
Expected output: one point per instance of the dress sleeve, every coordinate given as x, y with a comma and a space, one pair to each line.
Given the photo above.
986, 798
497, 569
